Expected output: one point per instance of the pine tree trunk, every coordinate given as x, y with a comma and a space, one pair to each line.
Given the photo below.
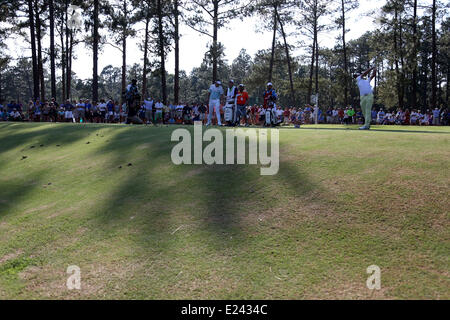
144, 70
311, 70
39, 52
344, 49
162, 53
402, 60
317, 64
396, 62
124, 49
69, 65
176, 89
215, 45
425, 68
95, 55
433, 59
313, 56
272, 57
291, 81
52, 49
68, 75
63, 63
414, 55
33, 51
448, 84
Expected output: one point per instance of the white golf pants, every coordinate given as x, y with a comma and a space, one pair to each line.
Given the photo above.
214, 104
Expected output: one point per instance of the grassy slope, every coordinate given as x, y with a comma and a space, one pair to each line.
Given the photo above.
343, 200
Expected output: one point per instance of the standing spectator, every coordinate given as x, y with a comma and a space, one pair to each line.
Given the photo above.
445, 117
436, 116
95, 113
380, 116
359, 117
241, 105
80, 112
45, 112
53, 109
335, 115
123, 112
116, 112
110, 110
253, 113
329, 115
341, 116
374, 115
286, 116
202, 111
102, 109
407, 117
159, 111
350, 113
88, 110
148, 103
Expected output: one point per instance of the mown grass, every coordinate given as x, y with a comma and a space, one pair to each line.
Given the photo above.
342, 200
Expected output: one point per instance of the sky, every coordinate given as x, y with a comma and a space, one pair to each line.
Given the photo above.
235, 36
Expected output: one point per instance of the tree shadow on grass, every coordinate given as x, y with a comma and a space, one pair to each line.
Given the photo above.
14, 193
27, 135
29, 138
215, 199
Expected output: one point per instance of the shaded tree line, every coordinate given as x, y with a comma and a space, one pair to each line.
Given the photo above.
410, 48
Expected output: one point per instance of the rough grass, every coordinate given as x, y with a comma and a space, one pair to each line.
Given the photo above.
342, 200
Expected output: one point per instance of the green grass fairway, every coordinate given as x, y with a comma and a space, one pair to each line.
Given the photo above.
343, 200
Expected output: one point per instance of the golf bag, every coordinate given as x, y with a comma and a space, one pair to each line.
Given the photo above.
230, 112
271, 115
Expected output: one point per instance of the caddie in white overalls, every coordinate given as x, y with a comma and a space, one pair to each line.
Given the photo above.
230, 105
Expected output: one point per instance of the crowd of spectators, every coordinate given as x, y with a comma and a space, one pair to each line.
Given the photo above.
154, 111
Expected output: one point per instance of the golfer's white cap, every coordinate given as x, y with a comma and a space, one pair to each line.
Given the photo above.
241, 85
269, 84
218, 82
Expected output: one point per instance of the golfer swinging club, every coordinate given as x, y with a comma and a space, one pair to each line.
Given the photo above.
366, 93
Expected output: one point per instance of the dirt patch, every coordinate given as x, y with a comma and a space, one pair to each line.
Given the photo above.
60, 212
349, 290
96, 279
10, 256
144, 146
41, 208
195, 172
29, 273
